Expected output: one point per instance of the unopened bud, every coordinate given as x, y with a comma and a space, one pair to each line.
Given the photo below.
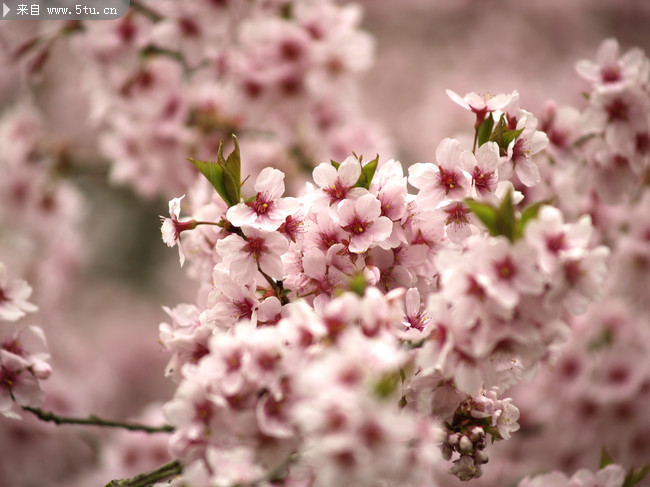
465, 444
41, 370
480, 457
476, 433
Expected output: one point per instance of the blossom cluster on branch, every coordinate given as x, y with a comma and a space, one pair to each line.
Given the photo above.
351, 332
24, 359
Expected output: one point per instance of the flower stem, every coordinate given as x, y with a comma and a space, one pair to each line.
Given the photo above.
93, 420
146, 479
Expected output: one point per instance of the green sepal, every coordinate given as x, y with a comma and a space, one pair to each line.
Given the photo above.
335, 164
633, 477
367, 173
485, 130
605, 459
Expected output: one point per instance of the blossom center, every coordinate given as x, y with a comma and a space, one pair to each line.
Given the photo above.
255, 246
505, 269
617, 110
447, 179
457, 214
357, 226
12, 346
336, 191
482, 180
556, 243
610, 74
261, 204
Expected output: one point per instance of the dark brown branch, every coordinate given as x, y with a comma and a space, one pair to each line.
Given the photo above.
95, 421
146, 479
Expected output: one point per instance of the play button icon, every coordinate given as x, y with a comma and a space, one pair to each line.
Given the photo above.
5, 10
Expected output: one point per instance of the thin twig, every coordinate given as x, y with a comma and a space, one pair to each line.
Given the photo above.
146, 479
93, 420
146, 11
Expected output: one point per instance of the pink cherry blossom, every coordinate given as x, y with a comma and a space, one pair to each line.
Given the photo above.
361, 219
481, 105
482, 167
611, 70
242, 256
171, 227
445, 180
13, 297
338, 184
268, 210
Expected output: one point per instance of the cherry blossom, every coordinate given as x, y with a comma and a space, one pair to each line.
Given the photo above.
171, 227
445, 180
243, 255
361, 219
267, 211
13, 297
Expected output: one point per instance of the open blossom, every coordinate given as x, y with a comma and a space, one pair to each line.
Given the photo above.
268, 210
171, 228
445, 180
508, 271
611, 70
481, 105
338, 184
361, 218
258, 248
482, 167
13, 297
523, 148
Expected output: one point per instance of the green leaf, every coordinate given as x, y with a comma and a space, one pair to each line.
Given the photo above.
497, 133
334, 163
213, 172
233, 164
509, 136
387, 384
605, 459
529, 213
485, 130
367, 173
231, 174
634, 477
224, 174
505, 221
486, 213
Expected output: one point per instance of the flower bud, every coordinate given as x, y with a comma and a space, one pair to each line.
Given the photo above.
466, 445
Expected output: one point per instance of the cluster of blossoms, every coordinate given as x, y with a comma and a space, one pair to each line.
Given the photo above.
599, 385
353, 331
172, 79
23, 351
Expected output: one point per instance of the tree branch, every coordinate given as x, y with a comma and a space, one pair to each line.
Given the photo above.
146, 479
95, 421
